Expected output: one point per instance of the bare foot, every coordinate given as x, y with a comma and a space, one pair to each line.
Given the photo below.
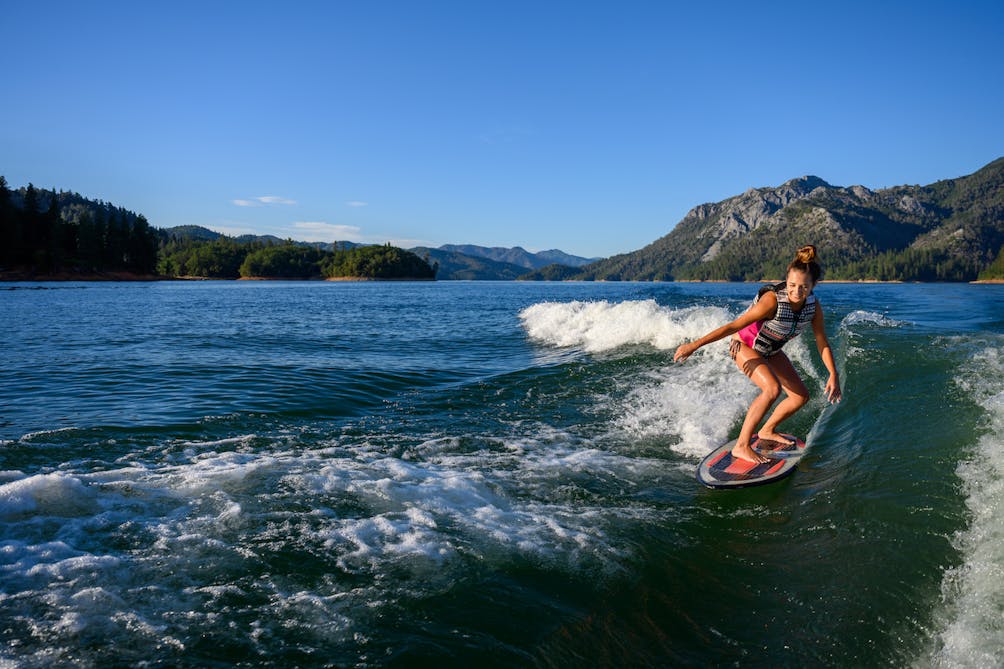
748, 454
775, 436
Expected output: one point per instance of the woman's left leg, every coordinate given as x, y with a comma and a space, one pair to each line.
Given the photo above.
796, 395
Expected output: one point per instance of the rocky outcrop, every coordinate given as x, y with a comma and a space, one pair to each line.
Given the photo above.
742, 214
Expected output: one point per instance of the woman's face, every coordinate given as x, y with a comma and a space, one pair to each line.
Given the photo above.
799, 284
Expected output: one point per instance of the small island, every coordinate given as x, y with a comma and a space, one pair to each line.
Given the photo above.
227, 258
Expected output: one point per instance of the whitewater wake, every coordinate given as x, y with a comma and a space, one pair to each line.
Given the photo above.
690, 406
973, 592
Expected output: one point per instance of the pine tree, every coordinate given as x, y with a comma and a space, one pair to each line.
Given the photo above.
10, 228
29, 227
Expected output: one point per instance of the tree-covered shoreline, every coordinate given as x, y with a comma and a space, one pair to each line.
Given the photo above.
227, 258
50, 235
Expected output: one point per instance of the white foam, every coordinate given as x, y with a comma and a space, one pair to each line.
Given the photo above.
67, 568
870, 318
228, 471
243, 440
675, 402
973, 592
193, 521
603, 326
46, 495
31, 436
435, 509
692, 405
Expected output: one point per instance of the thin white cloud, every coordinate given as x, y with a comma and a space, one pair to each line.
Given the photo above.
356, 203
264, 200
319, 231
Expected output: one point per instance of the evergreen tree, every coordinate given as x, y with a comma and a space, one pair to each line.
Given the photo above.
47, 241
10, 228
116, 241
141, 247
90, 232
29, 229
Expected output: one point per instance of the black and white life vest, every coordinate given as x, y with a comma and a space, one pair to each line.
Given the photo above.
786, 324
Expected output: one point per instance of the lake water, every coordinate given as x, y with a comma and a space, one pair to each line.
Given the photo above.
488, 474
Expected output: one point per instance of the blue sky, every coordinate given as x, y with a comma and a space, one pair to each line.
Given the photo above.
586, 126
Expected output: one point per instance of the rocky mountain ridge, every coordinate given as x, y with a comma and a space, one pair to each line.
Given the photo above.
950, 230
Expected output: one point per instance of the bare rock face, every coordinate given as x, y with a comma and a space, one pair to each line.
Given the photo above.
911, 205
861, 193
740, 215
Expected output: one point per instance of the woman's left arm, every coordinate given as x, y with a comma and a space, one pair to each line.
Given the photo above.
833, 393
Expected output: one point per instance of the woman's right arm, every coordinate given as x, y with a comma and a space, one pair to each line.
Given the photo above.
764, 309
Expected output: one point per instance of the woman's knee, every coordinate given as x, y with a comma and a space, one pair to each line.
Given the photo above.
798, 398
770, 390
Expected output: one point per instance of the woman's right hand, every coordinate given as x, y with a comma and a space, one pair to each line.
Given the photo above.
683, 351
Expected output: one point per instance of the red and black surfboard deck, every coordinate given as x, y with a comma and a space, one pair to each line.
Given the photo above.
719, 469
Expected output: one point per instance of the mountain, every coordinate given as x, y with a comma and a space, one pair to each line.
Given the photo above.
556, 257
461, 267
949, 230
518, 256
192, 232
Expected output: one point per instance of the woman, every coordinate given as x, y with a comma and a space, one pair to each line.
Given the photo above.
778, 314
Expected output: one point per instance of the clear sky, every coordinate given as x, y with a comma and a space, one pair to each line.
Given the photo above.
592, 127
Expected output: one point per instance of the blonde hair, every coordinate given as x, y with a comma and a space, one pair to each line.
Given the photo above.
805, 261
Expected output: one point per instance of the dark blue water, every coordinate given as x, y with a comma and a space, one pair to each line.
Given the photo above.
443, 474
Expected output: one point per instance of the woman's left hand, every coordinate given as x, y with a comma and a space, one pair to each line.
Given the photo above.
833, 393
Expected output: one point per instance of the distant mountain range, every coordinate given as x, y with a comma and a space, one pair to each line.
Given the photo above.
456, 262
519, 256
951, 230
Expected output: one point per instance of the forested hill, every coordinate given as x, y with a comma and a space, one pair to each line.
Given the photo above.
951, 230
46, 232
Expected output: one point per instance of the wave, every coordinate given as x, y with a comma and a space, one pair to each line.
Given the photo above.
861, 317
671, 403
690, 407
604, 326
973, 591
46, 495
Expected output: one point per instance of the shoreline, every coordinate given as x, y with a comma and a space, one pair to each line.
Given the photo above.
132, 277
66, 277
21, 276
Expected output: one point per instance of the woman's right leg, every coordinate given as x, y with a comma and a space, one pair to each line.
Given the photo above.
753, 365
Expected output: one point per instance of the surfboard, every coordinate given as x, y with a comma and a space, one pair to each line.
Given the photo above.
720, 470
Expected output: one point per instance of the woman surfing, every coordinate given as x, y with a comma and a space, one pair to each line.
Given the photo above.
778, 314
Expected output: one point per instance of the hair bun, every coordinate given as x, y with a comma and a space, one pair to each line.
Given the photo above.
806, 254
